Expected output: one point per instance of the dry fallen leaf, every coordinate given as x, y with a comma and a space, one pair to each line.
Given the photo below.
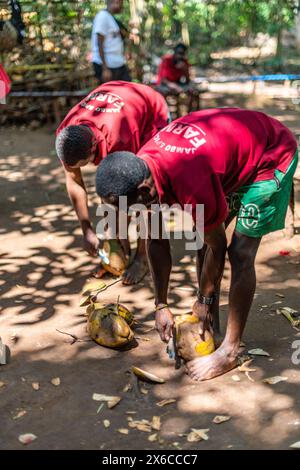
14, 337
249, 377
92, 287
292, 315
245, 367
235, 378
152, 437
258, 352
296, 445
275, 380
156, 423
106, 423
35, 386
165, 402
2, 384
280, 295
112, 401
127, 388
123, 431
100, 408
27, 438
142, 425
55, 381
102, 397
221, 419
147, 376
20, 414
144, 391
197, 435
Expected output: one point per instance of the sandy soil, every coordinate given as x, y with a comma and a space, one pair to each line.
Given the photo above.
43, 269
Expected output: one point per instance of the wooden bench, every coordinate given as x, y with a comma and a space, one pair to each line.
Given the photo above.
52, 103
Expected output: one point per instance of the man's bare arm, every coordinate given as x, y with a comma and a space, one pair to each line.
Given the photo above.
214, 260
171, 85
78, 195
210, 267
160, 263
106, 74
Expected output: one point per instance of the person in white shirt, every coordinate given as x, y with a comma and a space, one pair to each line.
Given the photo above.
108, 45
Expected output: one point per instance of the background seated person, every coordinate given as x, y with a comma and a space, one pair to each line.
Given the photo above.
173, 72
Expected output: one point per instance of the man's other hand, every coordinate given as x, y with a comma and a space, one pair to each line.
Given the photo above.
91, 242
106, 74
164, 322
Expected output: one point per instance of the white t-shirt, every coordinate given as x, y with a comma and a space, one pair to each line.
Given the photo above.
105, 24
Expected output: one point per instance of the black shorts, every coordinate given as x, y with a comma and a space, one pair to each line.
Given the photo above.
119, 73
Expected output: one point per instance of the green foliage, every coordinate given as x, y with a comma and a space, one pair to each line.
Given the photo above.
211, 25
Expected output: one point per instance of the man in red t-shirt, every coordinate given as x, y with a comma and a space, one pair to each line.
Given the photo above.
174, 77
238, 163
115, 116
5, 84
173, 71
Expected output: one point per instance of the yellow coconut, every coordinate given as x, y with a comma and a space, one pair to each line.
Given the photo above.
113, 258
108, 325
189, 344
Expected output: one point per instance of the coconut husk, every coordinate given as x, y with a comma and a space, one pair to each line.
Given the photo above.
189, 344
109, 325
113, 258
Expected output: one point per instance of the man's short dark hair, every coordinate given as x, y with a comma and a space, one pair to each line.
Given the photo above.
120, 174
180, 46
73, 144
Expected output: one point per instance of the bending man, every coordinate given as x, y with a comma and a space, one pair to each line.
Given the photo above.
237, 163
115, 116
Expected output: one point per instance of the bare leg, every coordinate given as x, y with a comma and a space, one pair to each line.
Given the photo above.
214, 310
290, 230
242, 252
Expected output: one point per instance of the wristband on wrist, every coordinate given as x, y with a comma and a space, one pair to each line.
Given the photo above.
160, 307
205, 300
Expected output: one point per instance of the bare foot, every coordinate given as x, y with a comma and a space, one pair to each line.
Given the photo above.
136, 271
208, 367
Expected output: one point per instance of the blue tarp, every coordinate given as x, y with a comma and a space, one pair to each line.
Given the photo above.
257, 78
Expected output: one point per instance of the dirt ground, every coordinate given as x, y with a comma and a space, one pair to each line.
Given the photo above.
43, 269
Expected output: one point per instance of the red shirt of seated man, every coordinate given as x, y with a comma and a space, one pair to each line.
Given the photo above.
174, 67
172, 71
122, 116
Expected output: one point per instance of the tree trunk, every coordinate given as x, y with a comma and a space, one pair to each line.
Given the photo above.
185, 33
297, 31
279, 44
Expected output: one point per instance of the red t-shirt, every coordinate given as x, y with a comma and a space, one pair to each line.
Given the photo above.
5, 83
168, 71
206, 155
122, 115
